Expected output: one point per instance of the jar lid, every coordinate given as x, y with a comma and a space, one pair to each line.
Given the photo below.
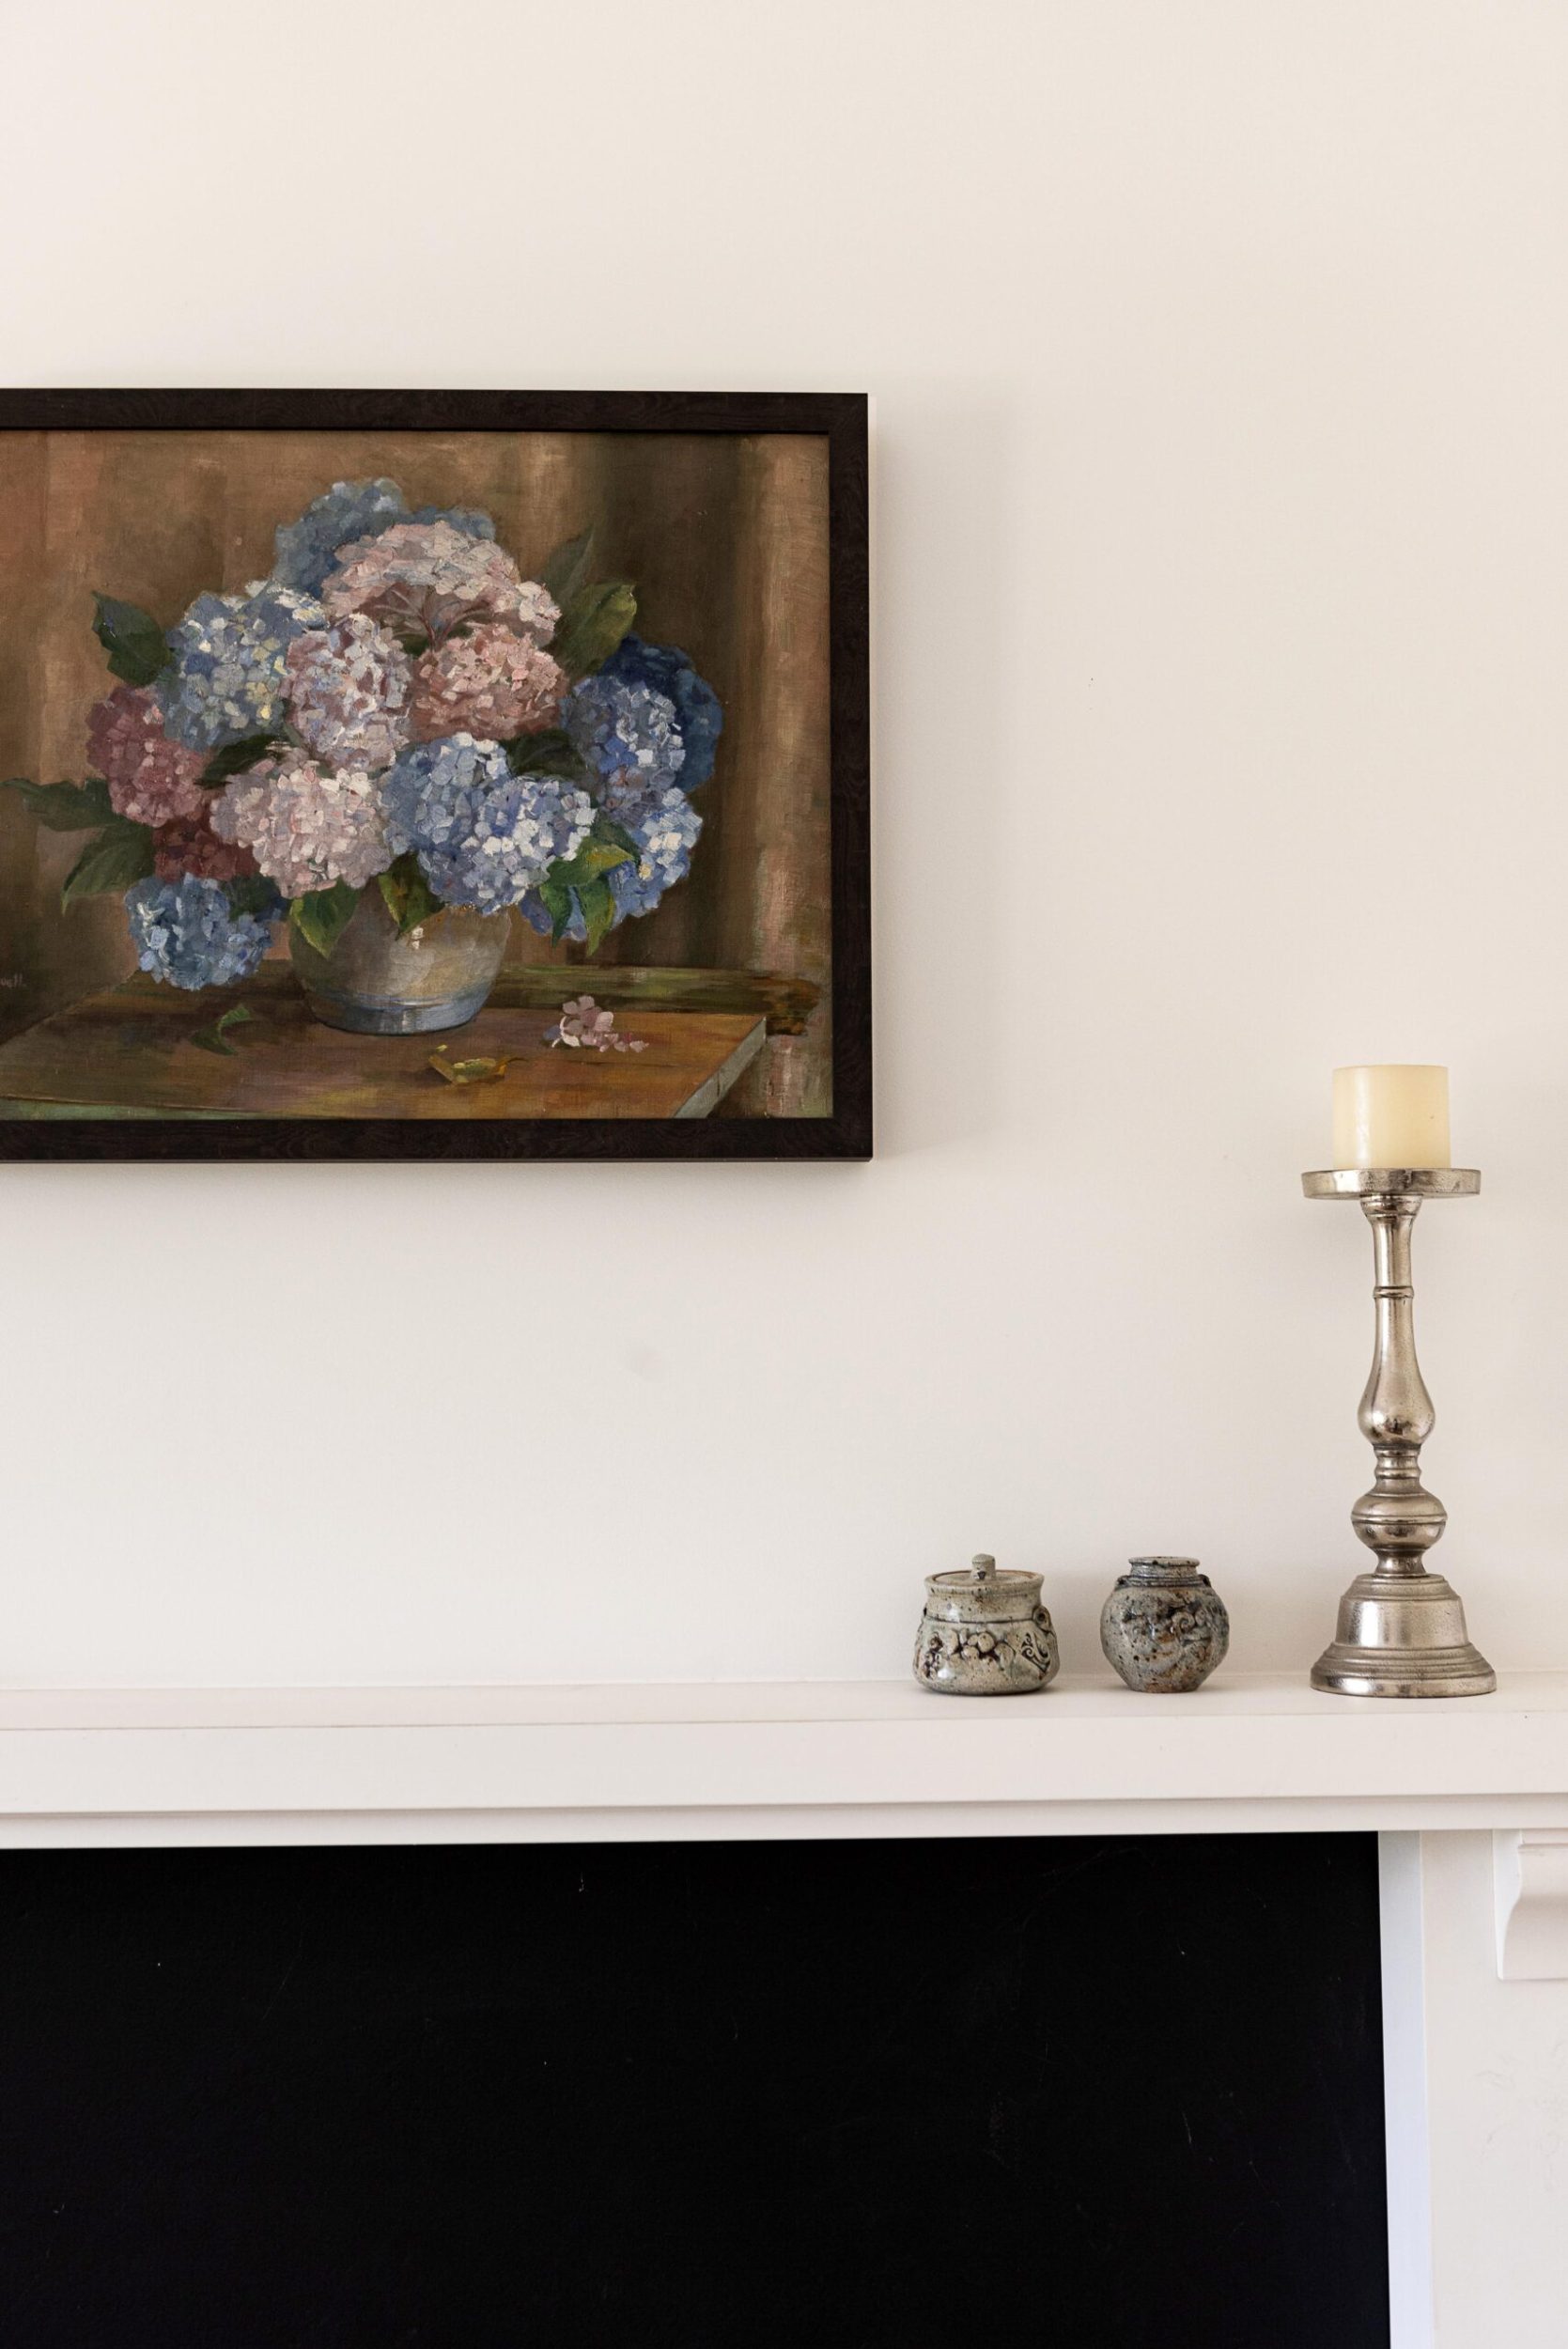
981, 1596
1164, 1570
981, 1574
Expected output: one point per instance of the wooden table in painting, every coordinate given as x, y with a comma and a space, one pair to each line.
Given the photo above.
131, 1053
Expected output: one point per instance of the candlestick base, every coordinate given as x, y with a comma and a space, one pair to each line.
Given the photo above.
1403, 1635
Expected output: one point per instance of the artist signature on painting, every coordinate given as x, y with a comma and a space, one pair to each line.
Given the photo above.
14, 978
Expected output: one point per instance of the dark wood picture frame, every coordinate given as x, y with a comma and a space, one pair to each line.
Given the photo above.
842, 418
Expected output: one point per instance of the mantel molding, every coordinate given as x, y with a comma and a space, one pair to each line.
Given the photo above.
1251, 1753
1529, 1873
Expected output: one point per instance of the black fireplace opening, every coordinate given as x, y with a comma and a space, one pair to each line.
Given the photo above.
1080, 2091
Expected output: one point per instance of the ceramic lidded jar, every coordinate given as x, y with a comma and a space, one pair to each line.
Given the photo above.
1164, 1626
984, 1634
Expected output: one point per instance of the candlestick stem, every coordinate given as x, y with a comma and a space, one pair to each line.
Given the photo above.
1398, 1518
1402, 1627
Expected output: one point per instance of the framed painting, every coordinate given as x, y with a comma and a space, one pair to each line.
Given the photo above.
434, 774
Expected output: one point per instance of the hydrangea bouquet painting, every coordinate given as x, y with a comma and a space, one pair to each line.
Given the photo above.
394, 726
370, 735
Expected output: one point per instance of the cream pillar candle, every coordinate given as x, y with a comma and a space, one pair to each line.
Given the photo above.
1392, 1116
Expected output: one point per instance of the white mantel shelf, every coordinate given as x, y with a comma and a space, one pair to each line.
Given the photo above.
1474, 1925
819, 1758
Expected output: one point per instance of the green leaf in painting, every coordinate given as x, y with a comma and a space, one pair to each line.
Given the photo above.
253, 893
605, 828
599, 910
64, 806
547, 753
122, 853
591, 860
235, 758
215, 1038
564, 574
485, 1071
557, 902
578, 882
409, 899
131, 638
592, 625
322, 917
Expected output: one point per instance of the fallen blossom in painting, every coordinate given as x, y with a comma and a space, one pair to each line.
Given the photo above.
584, 1027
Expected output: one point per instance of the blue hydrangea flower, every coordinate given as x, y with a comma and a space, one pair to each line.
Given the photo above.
282, 610
625, 735
307, 549
186, 932
666, 832
229, 679
484, 836
698, 712
665, 827
467, 519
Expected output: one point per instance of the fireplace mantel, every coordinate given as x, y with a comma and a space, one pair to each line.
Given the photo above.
1470, 1798
1250, 1753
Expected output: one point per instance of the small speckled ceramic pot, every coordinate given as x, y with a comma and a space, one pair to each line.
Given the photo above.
1164, 1626
984, 1634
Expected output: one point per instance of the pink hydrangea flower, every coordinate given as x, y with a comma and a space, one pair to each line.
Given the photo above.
348, 691
190, 845
428, 578
584, 1027
150, 779
307, 825
489, 683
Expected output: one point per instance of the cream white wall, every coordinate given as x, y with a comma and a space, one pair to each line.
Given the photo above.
1220, 352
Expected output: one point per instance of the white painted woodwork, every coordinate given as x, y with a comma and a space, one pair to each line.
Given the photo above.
1476, 2068
779, 1757
1476, 2072
1530, 1882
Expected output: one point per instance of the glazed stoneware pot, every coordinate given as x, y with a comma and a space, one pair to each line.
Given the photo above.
1164, 1626
379, 984
984, 1634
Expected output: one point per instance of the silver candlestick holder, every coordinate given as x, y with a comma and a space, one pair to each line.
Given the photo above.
1401, 1631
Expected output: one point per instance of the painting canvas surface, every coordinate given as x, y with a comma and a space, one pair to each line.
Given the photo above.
418, 776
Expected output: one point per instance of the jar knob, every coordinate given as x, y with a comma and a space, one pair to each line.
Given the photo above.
982, 1564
